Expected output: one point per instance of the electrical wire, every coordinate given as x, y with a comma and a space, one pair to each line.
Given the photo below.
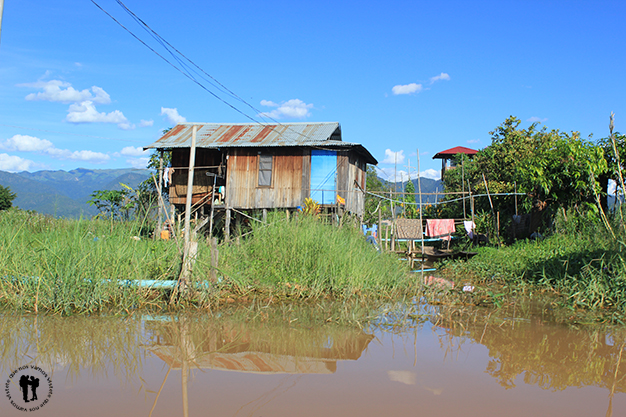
187, 70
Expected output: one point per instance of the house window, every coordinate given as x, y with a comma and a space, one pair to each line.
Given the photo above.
265, 170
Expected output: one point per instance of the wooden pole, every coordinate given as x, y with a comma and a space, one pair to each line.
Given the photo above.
212, 207
380, 222
463, 185
227, 226
493, 214
214, 259
419, 186
185, 273
160, 200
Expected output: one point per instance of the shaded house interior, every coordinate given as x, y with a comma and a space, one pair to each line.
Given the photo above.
254, 166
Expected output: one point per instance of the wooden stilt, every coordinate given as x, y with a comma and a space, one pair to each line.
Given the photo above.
227, 226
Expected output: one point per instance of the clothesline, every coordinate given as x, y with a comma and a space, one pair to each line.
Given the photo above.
440, 202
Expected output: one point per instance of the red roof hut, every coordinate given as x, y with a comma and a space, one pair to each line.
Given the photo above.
447, 156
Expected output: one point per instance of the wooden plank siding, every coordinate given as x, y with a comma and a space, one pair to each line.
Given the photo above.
242, 190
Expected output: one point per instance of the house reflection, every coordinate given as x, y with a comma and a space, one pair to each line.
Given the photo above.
243, 347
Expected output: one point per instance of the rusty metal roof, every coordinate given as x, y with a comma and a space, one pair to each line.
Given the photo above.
219, 135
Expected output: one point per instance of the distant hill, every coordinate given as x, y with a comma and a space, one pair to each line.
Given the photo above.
65, 193
428, 186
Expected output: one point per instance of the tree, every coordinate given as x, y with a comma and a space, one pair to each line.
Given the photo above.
410, 206
110, 203
554, 169
6, 198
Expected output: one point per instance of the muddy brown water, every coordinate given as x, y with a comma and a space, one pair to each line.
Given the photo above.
444, 363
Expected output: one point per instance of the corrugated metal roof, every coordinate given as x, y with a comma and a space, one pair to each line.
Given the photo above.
219, 135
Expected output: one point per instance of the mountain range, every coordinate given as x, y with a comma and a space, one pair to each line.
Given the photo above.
65, 193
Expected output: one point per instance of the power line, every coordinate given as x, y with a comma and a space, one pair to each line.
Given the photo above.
186, 70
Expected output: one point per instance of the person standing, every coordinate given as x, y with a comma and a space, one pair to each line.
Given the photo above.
24, 387
34, 382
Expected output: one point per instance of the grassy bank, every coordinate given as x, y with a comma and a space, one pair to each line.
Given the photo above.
80, 266
581, 265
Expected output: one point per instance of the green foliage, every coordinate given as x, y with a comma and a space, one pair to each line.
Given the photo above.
6, 197
410, 208
112, 203
554, 169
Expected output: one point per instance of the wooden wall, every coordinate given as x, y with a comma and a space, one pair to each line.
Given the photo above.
242, 190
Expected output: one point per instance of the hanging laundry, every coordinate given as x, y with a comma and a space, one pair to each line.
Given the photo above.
440, 228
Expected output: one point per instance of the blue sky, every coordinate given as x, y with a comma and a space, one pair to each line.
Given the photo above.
77, 90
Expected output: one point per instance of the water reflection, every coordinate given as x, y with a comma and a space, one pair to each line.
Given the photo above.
237, 346
453, 361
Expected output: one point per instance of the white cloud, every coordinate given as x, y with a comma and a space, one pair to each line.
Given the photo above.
392, 157
407, 89
440, 77
291, 109
535, 119
86, 112
388, 175
433, 174
88, 156
172, 115
25, 143
138, 163
63, 92
405, 377
473, 141
12, 163
132, 151
146, 123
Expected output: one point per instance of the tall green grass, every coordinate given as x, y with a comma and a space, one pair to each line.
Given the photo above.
80, 266
68, 266
306, 258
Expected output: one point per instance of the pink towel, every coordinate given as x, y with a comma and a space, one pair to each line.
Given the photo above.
441, 228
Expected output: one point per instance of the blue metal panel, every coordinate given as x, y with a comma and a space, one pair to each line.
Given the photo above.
323, 176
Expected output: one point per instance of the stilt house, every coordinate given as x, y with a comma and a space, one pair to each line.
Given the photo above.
254, 166
447, 157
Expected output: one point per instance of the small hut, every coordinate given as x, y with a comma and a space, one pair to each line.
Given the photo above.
254, 166
447, 157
